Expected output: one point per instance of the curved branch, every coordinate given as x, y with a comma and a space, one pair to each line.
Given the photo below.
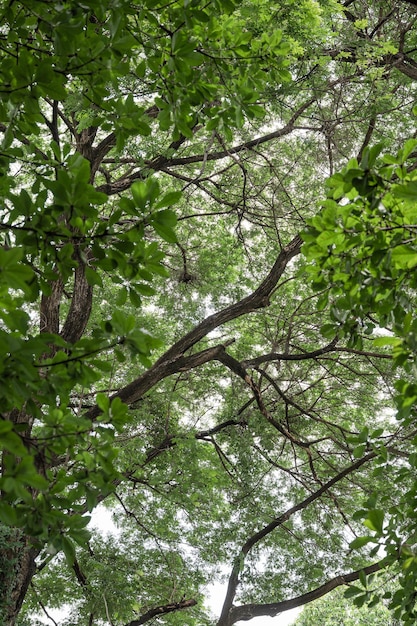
248, 611
161, 162
275, 356
331, 347
227, 611
173, 361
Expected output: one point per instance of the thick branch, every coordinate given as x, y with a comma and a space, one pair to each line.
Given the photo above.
81, 303
227, 611
50, 306
172, 361
249, 611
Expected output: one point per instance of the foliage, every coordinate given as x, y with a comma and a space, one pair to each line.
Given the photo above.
57, 225
162, 346
365, 248
337, 610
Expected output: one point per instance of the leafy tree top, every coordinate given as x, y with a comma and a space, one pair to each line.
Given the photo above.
162, 346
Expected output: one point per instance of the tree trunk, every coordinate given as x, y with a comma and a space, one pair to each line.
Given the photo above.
17, 567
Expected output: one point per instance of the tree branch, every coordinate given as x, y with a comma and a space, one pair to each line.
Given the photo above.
331, 347
161, 162
235, 366
275, 356
227, 611
81, 302
249, 611
162, 610
170, 441
172, 361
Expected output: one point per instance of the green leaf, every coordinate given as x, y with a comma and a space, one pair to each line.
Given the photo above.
165, 232
93, 277
362, 578
8, 514
409, 146
143, 128
165, 217
144, 289
326, 239
386, 341
375, 520
328, 331
353, 591
408, 190
5, 426
404, 256
140, 194
103, 402
13, 443
359, 451
122, 296
68, 548
359, 542
169, 199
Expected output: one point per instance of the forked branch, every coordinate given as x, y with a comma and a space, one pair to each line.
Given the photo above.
248, 611
228, 611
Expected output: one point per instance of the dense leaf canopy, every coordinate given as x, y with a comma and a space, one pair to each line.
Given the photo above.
167, 351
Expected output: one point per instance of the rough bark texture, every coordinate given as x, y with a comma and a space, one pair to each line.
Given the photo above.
50, 306
81, 303
17, 567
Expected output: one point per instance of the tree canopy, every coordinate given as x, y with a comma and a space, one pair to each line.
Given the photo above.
207, 252
335, 609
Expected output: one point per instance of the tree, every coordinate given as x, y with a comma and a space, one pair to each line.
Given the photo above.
163, 350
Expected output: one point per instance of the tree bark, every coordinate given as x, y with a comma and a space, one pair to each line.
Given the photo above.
81, 302
249, 611
17, 568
